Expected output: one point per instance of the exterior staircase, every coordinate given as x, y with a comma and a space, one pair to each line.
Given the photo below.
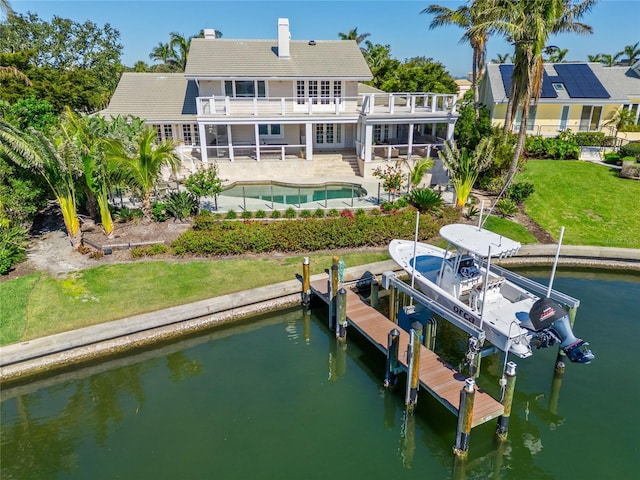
335, 165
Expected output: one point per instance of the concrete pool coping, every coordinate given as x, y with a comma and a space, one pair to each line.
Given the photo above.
56, 352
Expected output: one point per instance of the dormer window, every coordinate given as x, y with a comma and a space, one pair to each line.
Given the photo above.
558, 87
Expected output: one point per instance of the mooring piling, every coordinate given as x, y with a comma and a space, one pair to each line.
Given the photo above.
307, 325
465, 414
507, 399
393, 312
333, 291
393, 347
413, 377
306, 282
408, 438
374, 299
558, 374
341, 303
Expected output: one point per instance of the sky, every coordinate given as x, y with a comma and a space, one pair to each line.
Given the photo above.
145, 23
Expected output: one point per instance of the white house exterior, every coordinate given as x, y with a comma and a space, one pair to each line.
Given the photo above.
242, 103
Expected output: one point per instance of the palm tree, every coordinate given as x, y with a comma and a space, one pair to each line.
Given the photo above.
180, 45
609, 60
464, 168
142, 169
140, 66
501, 58
55, 162
555, 54
632, 51
595, 58
353, 35
529, 24
5, 7
468, 17
417, 170
164, 53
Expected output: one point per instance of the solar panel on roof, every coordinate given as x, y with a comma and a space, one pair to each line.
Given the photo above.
580, 81
547, 87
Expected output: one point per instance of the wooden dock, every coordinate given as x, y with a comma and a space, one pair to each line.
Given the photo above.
436, 376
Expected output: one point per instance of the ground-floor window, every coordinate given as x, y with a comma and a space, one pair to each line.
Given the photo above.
270, 130
190, 134
380, 133
590, 118
531, 119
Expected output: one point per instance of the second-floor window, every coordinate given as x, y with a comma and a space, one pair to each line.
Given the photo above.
321, 91
245, 88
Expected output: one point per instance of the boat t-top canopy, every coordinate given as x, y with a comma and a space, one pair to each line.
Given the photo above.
477, 240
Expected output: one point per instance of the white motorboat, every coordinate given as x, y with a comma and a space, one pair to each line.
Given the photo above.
461, 279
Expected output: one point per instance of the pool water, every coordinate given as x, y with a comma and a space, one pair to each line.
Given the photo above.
290, 194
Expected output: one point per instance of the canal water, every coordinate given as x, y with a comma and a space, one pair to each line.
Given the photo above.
277, 397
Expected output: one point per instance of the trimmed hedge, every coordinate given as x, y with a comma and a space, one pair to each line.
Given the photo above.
213, 238
631, 149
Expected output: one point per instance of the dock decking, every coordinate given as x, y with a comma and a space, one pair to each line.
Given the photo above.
436, 376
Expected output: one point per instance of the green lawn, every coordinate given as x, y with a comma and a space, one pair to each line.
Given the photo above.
39, 305
591, 201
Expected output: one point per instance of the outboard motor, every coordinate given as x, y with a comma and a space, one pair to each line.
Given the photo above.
551, 324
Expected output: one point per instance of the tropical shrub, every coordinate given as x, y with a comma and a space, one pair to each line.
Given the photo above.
506, 207
590, 139
425, 200
392, 177
305, 213
276, 214
128, 214
261, 214
631, 149
149, 250
228, 238
246, 214
333, 213
13, 247
319, 213
290, 213
159, 212
519, 192
181, 205
231, 215
563, 147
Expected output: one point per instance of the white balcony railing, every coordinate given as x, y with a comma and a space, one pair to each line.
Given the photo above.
375, 103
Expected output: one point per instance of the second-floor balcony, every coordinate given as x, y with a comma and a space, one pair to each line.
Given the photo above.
436, 104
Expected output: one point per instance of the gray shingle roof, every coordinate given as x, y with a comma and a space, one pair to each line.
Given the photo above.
154, 97
259, 58
621, 83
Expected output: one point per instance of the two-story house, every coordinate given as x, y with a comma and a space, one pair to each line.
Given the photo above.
581, 97
283, 108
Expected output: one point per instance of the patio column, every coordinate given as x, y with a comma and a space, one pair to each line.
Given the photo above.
308, 139
203, 143
368, 138
410, 141
450, 128
256, 128
230, 143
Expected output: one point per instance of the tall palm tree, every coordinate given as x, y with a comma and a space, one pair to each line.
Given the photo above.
632, 51
180, 46
556, 55
529, 24
594, 58
467, 16
353, 35
55, 161
142, 169
163, 52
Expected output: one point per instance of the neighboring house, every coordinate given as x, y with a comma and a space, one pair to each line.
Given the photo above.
246, 103
580, 97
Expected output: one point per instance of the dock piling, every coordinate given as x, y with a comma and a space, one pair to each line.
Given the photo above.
333, 291
430, 333
306, 282
374, 300
413, 377
393, 346
393, 304
503, 421
465, 414
341, 304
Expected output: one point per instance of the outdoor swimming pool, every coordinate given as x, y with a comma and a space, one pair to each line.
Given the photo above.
293, 194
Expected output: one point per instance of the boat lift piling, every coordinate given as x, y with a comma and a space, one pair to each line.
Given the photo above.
306, 282
467, 397
502, 428
413, 358
393, 368
341, 306
374, 299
